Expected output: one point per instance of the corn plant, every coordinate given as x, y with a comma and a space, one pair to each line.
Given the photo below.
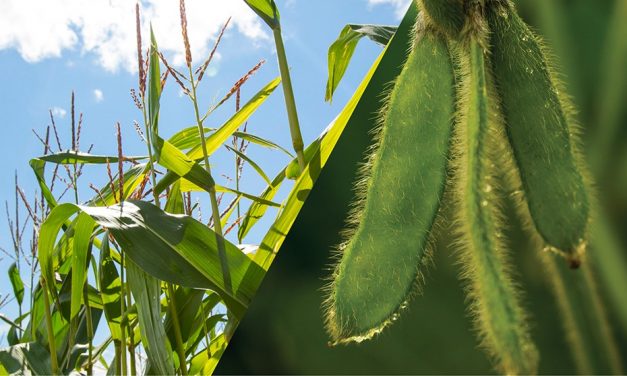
136, 261
477, 116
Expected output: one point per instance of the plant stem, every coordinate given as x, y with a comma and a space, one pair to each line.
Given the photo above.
215, 209
290, 102
51, 343
153, 175
90, 332
123, 323
177, 330
131, 346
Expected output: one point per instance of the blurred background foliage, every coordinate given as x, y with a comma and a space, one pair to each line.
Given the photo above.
283, 330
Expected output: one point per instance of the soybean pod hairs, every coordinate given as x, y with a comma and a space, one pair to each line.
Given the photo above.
542, 133
398, 196
477, 104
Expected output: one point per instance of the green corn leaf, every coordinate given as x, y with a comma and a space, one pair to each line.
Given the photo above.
25, 358
154, 93
188, 137
222, 134
182, 165
180, 250
110, 289
257, 209
188, 308
173, 248
132, 178
174, 204
341, 51
225, 218
360, 111
70, 157
202, 364
146, 291
82, 244
267, 10
261, 142
16, 283
187, 186
38, 167
252, 163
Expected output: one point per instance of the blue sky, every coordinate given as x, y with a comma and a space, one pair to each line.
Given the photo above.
48, 49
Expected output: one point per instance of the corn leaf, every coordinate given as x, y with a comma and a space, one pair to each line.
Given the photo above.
38, 167
361, 109
341, 51
180, 250
70, 157
252, 163
109, 284
25, 358
82, 239
220, 136
16, 283
146, 291
267, 10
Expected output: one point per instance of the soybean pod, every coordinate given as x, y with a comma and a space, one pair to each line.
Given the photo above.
494, 301
540, 131
446, 15
398, 197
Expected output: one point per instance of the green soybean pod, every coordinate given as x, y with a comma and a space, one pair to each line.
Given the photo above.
446, 15
398, 197
541, 132
494, 300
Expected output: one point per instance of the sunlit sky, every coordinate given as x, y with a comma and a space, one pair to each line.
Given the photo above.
50, 48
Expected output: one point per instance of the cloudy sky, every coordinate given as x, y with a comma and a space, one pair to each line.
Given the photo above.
49, 48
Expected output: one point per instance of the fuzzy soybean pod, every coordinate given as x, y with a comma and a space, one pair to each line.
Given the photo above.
446, 15
498, 315
398, 197
541, 132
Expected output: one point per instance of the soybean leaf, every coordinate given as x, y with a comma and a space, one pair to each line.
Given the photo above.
75, 157
267, 10
146, 291
252, 163
16, 283
341, 51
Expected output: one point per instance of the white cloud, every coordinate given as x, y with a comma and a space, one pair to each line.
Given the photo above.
400, 6
40, 29
98, 95
58, 112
